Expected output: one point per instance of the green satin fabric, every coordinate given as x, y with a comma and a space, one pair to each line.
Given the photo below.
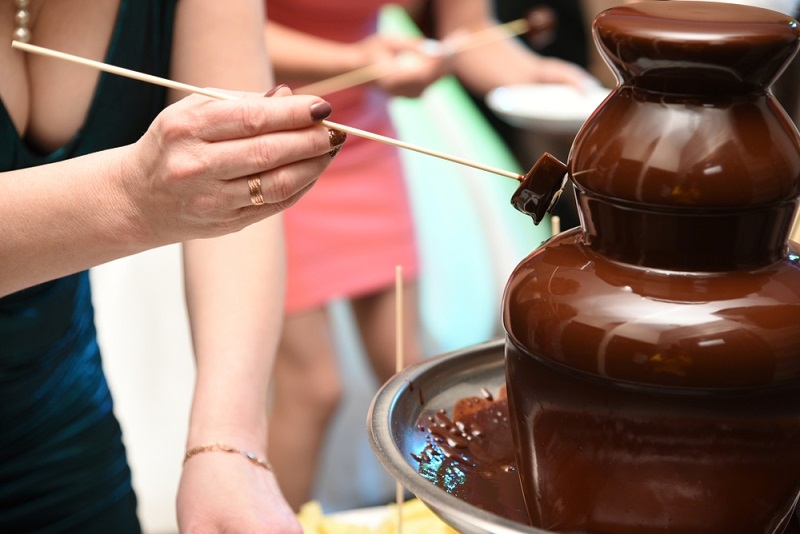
62, 460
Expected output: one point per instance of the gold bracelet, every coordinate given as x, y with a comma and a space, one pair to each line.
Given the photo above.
221, 447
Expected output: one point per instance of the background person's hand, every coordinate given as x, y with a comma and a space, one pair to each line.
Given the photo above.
558, 71
412, 64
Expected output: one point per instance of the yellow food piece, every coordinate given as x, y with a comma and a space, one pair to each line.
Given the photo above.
416, 518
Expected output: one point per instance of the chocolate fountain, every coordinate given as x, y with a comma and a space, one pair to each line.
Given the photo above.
653, 354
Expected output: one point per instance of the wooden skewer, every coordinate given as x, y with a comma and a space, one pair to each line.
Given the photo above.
494, 33
399, 364
349, 79
416, 148
120, 71
555, 225
398, 323
374, 71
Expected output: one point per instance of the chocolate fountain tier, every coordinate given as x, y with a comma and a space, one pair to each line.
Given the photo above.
604, 456
647, 326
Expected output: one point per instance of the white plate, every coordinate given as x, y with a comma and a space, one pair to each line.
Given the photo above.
551, 108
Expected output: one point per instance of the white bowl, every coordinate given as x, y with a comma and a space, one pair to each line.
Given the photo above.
549, 108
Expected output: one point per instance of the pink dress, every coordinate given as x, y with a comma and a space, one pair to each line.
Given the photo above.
346, 236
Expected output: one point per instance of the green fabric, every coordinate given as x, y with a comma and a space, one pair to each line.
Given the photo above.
470, 237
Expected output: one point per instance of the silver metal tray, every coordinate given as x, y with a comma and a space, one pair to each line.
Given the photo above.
431, 385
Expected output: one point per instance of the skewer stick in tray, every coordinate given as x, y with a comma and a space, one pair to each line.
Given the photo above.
555, 224
398, 366
224, 96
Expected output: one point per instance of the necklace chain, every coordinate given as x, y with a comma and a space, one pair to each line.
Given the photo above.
22, 18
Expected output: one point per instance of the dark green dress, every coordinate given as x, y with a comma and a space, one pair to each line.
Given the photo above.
62, 461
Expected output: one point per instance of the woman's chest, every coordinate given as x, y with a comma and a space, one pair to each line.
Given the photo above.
48, 99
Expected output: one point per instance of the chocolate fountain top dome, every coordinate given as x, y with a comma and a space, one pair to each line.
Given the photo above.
696, 47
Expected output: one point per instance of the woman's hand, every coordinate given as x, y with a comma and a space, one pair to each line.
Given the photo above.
193, 164
554, 70
225, 493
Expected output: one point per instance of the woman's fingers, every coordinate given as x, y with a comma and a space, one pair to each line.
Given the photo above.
218, 120
276, 186
283, 186
233, 139
242, 157
250, 214
272, 188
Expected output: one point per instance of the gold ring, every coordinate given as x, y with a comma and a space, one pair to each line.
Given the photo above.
256, 197
336, 139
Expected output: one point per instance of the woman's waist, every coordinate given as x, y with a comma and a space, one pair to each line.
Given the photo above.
38, 318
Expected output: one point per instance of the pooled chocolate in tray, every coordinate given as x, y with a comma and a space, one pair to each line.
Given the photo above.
470, 454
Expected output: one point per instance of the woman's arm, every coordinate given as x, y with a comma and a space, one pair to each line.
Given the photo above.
234, 287
502, 62
185, 178
62, 218
299, 58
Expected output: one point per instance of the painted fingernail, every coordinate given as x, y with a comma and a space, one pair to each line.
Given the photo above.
320, 110
336, 139
276, 89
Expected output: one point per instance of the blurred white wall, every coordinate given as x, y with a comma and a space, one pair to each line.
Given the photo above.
144, 336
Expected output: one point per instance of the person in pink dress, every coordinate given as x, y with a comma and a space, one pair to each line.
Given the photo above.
346, 237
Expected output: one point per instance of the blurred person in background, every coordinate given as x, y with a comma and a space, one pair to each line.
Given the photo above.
346, 237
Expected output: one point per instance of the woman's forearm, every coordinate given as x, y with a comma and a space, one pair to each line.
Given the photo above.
62, 218
234, 284
235, 297
500, 62
300, 57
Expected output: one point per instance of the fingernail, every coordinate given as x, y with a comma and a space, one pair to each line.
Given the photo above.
276, 89
320, 110
337, 140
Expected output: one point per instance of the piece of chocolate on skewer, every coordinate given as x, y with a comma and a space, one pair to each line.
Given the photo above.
543, 22
540, 188
533, 197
